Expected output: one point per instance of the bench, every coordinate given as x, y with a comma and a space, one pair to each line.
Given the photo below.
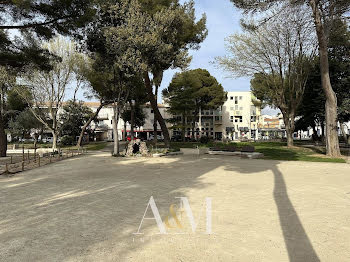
226, 149
248, 149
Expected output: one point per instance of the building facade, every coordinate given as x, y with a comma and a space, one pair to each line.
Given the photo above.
237, 119
103, 127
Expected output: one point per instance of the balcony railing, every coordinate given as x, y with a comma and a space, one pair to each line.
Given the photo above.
103, 117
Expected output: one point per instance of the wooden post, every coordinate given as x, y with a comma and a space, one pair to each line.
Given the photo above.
11, 160
39, 161
6, 168
22, 165
72, 153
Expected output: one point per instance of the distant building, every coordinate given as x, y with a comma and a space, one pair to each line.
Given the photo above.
237, 119
103, 127
272, 127
241, 114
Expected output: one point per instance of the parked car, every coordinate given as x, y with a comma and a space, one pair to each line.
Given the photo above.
25, 140
50, 140
178, 138
159, 137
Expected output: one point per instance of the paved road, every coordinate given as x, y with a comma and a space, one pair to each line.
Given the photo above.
87, 209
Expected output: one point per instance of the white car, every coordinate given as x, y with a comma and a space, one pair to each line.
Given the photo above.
159, 137
50, 140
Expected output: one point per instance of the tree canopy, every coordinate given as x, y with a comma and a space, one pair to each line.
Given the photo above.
192, 91
73, 118
278, 55
23, 22
324, 13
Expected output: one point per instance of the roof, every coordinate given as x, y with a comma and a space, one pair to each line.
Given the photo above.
92, 104
97, 104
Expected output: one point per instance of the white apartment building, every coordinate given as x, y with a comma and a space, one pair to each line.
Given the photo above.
241, 114
103, 127
237, 119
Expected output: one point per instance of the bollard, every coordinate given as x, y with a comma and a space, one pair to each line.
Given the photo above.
50, 158
72, 153
39, 161
6, 168
11, 160
28, 155
22, 165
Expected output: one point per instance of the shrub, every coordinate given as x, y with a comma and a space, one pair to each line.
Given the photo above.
204, 140
67, 140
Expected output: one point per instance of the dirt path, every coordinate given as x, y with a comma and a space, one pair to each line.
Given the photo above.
87, 209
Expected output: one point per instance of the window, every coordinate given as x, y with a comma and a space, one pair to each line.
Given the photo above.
240, 98
211, 133
236, 107
236, 100
241, 108
112, 122
253, 118
211, 128
238, 119
231, 98
253, 110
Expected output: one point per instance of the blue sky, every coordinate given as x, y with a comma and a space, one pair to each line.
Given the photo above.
222, 21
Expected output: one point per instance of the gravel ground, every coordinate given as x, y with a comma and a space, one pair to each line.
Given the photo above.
87, 208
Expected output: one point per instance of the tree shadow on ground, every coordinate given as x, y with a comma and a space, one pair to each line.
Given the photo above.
65, 210
297, 242
81, 208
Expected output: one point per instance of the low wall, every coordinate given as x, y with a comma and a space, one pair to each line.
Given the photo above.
194, 151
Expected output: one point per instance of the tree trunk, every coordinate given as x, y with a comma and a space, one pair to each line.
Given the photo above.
54, 141
115, 130
343, 133
155, 108
183, 129
132, 121
88, 123
124, 133
155, 123
36, 137
194, 137
155, 130
3, 138
289, 123
290, 141
332, 141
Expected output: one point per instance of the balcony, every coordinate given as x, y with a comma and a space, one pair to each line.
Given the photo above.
218, 120
102, 117
101, 127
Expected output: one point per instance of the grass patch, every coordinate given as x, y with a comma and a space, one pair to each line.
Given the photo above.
95, 146
271, 150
